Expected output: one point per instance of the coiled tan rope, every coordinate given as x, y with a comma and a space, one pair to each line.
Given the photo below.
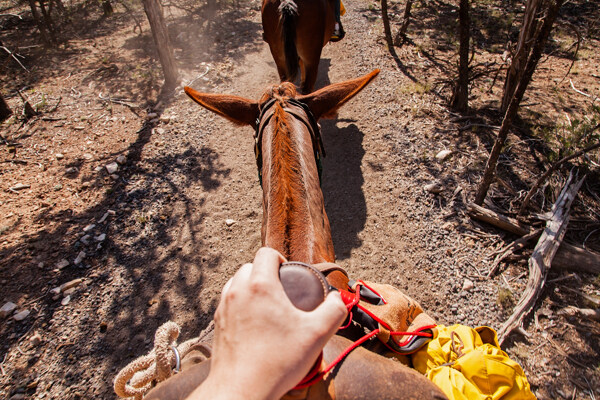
139, 376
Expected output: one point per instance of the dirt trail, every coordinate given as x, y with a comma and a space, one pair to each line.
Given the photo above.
169, 250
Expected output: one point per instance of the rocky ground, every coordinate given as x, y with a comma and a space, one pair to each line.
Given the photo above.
120, 214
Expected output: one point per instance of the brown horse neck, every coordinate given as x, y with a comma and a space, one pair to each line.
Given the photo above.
294, 221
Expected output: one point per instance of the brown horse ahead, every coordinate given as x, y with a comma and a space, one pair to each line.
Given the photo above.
296, 31
288, 150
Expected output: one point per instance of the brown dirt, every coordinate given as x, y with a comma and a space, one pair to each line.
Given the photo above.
168, 250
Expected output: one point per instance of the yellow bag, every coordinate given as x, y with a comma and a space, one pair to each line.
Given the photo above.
342, 8
468, 364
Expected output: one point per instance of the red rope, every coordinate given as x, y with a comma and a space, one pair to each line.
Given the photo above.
315, 375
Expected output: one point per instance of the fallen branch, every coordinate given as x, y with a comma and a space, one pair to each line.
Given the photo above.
511, 249
586, 313
568, 257
541, 259
14, 57
553, 168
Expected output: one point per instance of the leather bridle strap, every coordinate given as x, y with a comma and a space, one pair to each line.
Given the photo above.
307, 118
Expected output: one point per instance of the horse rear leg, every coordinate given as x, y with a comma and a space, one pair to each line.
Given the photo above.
309, 76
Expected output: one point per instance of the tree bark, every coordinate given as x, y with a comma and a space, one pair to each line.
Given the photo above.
541, 259
44, 34
5, 110
460, 100
568, 258
386, 24
160, 34
519, 61
401, 35
511, 112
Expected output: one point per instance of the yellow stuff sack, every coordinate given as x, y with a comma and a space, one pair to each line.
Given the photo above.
468, 364
342, 8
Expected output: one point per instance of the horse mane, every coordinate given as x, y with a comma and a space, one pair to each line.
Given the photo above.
286, 183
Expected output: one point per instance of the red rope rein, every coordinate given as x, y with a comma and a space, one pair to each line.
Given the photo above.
316, 374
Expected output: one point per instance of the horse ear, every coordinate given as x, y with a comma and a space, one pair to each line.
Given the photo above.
325, 102
236, 109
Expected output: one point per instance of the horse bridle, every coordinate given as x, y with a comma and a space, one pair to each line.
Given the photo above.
291, 107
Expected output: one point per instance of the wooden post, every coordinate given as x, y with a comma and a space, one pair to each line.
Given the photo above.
160, 34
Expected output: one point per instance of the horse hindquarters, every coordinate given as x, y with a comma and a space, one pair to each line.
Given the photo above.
279, 25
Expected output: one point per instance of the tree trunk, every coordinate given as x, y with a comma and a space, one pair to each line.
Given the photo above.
46, 38
460, 100
5, 110
401, 36
160, 34
48, 21
107, 8
519, 60
386, 24
511, 112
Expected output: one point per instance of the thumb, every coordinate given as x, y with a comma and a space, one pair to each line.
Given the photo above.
331, 313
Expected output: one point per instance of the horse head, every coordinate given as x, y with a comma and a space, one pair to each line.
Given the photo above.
289, 152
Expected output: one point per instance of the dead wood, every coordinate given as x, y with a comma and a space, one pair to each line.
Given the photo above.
511, 225
511, 249
568, 257
586, 313
541, 259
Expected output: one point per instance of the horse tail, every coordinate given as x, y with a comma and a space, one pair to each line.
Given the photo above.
288, 11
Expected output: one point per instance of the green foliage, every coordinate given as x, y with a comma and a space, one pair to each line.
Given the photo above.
576, 135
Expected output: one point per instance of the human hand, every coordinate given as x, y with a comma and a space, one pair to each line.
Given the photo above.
263, 345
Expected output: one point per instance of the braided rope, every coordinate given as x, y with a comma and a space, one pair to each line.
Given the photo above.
139, 376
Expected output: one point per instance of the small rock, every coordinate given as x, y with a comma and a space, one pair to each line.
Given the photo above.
71, 170
55, 290
18, 396
35, 339
20, 316
435, 187
69, 292
59, 156
100, 238
89, 227
98, 169
158, 131
165, 119
88, 156
121, 159
468, 285
86, 184
179, 162
85, 239
114, 177
20, 186
79, 258
7, 309
229, 222
62, 264
58, 187
65, 300
112, 167
152, 115
443, 155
